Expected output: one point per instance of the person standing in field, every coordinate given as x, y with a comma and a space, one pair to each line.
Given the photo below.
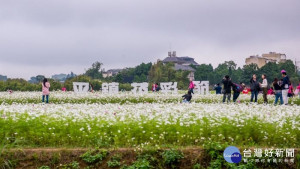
157, 87
191, 86
218, 88
277, 91
91, 87
154, 86
264, 86
227, 88
45, 90
285, 87
254, 86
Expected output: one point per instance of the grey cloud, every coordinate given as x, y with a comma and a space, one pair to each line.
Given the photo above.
124, 33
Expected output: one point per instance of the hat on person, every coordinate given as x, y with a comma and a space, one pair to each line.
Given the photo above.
283, 71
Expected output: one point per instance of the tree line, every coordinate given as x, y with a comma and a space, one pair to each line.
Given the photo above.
159, 72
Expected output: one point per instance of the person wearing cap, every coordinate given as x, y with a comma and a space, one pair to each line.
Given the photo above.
285, 87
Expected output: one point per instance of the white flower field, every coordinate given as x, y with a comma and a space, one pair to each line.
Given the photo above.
137, 121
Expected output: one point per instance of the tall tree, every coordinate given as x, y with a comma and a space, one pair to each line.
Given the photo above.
95, 71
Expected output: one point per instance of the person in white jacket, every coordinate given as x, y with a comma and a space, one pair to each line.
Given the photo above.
264, 86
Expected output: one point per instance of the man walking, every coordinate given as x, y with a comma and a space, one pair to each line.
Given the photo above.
227, 88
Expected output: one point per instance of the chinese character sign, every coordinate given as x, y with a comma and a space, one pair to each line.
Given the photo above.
167, 87
80, 87
201, 87
111, 88
141, 88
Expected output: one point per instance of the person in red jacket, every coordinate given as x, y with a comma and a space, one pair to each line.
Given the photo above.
245, 91
191, 86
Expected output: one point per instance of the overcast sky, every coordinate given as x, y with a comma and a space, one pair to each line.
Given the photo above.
58, 36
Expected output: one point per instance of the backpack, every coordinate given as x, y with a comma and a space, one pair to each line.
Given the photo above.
238, 87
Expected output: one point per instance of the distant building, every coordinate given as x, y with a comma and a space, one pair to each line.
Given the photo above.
110, 72
181, 63
266, 58
3, 78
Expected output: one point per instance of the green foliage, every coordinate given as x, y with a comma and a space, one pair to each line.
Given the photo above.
95, 156
139, 164
115, 161
125, 87
172, 157
95, 71
166, 73
72, 165
197, 166
136, 74
272, 70
44, 167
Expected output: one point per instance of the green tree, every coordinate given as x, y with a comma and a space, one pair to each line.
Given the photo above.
95, 71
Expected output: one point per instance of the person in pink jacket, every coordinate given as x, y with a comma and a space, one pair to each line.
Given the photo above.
191, 86
45, 90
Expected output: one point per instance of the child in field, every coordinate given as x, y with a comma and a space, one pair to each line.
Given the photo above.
191, 86
187, 97
64, 89
218, 89
291, 90
246, 90
271, 91
45, 90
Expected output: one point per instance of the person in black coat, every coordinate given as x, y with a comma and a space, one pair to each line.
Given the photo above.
254, 86
227, 83
187, 97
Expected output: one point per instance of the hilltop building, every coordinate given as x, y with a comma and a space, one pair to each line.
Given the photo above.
110, 72
181, 63
266, 58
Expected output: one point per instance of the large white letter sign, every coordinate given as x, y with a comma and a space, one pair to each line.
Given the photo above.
104, 87
197, 88
167, 87
141, 87
111, 88
201, 87
204, 87
80, 87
